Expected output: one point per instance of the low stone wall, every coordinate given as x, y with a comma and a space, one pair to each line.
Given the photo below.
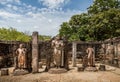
8, 48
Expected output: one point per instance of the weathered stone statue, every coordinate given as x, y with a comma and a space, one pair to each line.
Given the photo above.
21, 51
102, 51
110, 53
21, 65
91, 57
58, 54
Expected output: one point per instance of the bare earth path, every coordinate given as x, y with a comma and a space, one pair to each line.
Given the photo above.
70, 76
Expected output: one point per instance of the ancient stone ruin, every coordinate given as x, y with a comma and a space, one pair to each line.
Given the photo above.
57, 54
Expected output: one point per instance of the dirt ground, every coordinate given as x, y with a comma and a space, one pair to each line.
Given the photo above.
71, 76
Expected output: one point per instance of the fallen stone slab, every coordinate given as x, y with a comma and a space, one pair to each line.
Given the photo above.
20, 72
57, 70
110, 68
91, 69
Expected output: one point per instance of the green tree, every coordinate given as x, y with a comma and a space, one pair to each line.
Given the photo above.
44, 38
103, 5
101, 22
65, 30
76, 28
12, 34
105, 24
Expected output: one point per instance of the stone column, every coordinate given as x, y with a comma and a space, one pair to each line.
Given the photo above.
35, 52
66, 56
74, 53
62, 58
115, 49
15, 57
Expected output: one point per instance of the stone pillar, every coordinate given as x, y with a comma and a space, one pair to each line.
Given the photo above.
74, 53
35, 63
62, 58
15, 57
115, 49
66, 56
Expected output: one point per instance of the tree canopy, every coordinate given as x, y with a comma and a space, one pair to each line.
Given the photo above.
11, 34
102, 21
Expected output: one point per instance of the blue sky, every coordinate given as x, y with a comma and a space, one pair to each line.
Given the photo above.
44, 16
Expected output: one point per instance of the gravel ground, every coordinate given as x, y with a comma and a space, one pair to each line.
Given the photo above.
70, 76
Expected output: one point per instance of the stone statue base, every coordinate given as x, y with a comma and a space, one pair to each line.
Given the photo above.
80, 69
57, 70
92, 69
20, 72
102, 68
4, 71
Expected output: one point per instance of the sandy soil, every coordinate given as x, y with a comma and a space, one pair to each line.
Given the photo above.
70, 76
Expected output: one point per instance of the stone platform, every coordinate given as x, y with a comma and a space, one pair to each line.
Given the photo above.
20, 72
4, 71
57, 70
92, 69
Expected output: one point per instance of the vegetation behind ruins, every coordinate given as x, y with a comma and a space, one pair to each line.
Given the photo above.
11, 34
100, 22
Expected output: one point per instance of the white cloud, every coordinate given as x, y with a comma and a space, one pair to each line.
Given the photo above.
53, 3
12, 7
45, 24
19, 21
10, 1
50, 20
15, 8
18, 1
29, 18
35, 27
5, 14
29, 6
3, 2
9, 5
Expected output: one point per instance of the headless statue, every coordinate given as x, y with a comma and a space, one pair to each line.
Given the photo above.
110, 53
58, 55
91, 57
